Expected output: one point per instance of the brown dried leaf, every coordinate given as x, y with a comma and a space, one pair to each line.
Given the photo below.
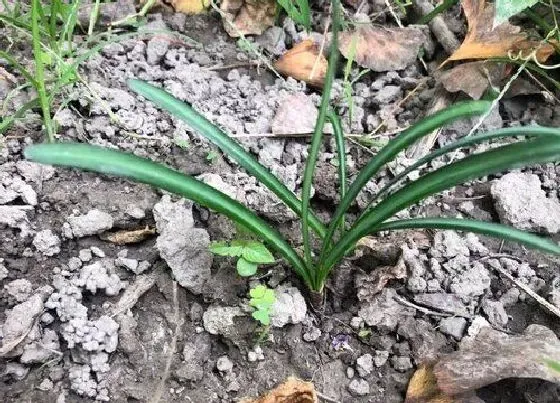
248, 17
190, 6
292, 391
128, 236
381, 48
368, 285
473, 78
483, 41
481, 360
304, 62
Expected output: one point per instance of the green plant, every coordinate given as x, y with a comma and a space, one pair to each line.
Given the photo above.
338, 237
250, 254
298, 11
262, 299
212, 156
554, 365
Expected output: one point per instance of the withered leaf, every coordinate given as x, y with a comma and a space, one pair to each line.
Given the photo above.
292, 391
484, 41
381, 48
304, 62
125, 237
248, 17
186, 6
473, 78
368, 285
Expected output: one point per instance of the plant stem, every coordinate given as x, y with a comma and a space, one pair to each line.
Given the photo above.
447, 4
40, 69
317, 136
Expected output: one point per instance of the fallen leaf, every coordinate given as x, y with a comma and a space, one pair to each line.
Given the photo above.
483, 359
190, 6
125, 237
484, 41
248, 17
304, 62
368, 285
381, 48
473, 78
5, 75
292, 391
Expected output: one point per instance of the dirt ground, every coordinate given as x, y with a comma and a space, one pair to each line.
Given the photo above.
107, 321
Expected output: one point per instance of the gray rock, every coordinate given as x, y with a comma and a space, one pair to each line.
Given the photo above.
364, 365
94, 222
449, 244
183, 247
289, 307
388, 94
443, 302
47, 242
273, 40
196, 353
43, 351
422, 336
416, 284
380, 358
3, 271
15, 217
156, 49
99, 276
358, 387
16, 370
401, 364
34, 172
219, 319
472, 282
521, 202
19, 289
312, 334
384, 312
495, 312
296, 114
85, 255
224, 364
46, 385
453, 326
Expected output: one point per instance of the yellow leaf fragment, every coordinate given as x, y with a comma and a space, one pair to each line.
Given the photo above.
292, 391
190, 6
304, 62
125, 237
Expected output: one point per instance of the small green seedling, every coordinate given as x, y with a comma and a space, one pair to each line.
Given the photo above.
212, 156
250, 254
262, 299
554, 365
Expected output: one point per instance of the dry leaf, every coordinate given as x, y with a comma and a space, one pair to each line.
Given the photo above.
473, 78
483, 41
304, 62
381, 48
368, 285
128, 236
292, 391
483, 359
248, 17
190, 6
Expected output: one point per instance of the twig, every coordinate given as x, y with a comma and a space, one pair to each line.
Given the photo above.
178, 322
326, 398
233, 66
405, 302
552, 308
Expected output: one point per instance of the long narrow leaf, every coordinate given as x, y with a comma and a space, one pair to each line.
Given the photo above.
340, 152
318, 132
499, 159
490, 229
203, 126
390, 151
112, 162
532, 131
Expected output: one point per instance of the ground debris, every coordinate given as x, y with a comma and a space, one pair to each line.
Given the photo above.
247, 17
292, 391
304, 62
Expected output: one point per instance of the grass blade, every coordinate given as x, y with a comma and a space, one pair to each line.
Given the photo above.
113, 162
7, 122
203, 126
485, 228
499, 159
534, 131
318, 131
341, 154
390, 151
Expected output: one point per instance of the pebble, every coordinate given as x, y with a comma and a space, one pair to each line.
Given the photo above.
453, 326
401, 364
364, 365
380, 358
224, 364
358, 387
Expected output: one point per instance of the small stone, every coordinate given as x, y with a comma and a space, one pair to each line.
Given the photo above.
312, 334
453, 326
47, 318
224, 364
364, 365
19, 289
401, 364
85, 255
97, 252
74, 263
416, 284
356, 322
47, 242
46, 385
94, 222
495, 312
350, 372
252, 356
380, 358
127, 263
358, 387
388, 94
289, 307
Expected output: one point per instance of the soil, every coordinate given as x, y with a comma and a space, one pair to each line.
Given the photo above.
195, 341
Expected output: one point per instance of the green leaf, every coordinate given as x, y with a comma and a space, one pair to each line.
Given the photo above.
481, 227
297, 10
113, 162
221, 248
199, 123
395, 146
554, 365
246, 268
523, 153
256, 252
262, 316
258, 292
508, 8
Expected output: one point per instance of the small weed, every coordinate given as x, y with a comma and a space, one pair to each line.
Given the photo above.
262, 299
298, 11
212, 156
250, 254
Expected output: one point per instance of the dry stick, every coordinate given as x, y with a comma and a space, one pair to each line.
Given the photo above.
405, 302
178, 322
326, 398
552, 308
